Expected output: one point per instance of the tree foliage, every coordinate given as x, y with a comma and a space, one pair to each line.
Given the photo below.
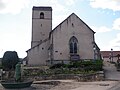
9, 60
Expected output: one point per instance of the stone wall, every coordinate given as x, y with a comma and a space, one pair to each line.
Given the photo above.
79, 77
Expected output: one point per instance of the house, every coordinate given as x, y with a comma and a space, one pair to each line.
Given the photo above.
111, 56
71, 40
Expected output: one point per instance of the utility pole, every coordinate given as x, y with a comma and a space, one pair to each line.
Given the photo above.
112, 54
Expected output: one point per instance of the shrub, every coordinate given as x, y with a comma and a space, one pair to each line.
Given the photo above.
9, 60
77, 67
59, 65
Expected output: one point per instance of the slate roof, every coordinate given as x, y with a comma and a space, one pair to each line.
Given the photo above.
42, 8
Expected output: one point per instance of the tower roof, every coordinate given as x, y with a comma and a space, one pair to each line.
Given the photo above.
42, 8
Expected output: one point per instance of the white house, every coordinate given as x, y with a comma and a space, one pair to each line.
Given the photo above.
71, 40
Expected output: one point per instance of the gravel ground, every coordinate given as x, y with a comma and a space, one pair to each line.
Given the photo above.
71, 85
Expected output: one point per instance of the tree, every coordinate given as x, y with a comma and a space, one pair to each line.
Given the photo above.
9, 60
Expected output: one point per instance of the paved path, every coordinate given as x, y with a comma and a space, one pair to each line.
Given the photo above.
110, 71
112, 74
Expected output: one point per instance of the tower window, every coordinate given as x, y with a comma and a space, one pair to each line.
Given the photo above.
72, 25
41, 15
56, 51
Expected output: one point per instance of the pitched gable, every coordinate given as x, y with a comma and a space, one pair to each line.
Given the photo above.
73, 14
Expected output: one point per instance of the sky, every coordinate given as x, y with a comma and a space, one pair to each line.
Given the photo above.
103, 16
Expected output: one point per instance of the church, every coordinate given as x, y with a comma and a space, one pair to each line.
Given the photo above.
71, 40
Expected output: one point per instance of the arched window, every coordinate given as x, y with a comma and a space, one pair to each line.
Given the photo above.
41, 15
73, 45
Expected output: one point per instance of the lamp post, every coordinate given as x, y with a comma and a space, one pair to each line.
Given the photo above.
1, 72
94, 52
112, 54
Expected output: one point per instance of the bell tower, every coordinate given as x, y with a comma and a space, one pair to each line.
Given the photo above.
41, 24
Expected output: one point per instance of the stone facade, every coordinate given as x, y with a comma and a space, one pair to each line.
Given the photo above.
41, 24
72, 39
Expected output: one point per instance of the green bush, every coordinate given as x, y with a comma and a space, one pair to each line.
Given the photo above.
59, 65
84, 67
88, 65
9, 60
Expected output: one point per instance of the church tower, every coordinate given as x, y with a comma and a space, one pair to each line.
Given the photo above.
41, 24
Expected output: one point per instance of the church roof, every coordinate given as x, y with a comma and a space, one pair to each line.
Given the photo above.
42, 8
69, 17
47, 39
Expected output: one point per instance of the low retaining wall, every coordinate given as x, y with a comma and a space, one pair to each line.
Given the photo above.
79, 77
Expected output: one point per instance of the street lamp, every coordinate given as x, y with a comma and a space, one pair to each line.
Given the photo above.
112, 54
1, 72
94, 52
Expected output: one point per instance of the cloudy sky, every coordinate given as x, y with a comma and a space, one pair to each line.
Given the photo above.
103, 16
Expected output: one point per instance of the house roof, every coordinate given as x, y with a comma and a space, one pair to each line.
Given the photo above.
96, 46
38, 44
107, 54
42, 8
69, 17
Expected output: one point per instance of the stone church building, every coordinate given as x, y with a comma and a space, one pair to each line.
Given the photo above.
71, 40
